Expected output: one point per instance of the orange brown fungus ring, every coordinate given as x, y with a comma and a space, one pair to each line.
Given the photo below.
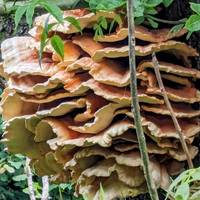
72, 117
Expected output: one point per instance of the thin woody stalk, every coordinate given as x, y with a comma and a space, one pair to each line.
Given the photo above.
45, 188
29, 180
168, 104
135, 103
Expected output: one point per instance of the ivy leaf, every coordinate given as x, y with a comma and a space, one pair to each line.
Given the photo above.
153, 23
176, 28
53, 9
167, 2
195, 7
58, 45
75, 23
193, 23
183, 192
18, 15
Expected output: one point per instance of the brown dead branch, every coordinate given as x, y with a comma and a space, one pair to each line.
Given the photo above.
168, 104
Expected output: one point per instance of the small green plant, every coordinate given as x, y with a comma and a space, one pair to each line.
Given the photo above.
56, 42
193, 22
101, 25
186, 186
29, 8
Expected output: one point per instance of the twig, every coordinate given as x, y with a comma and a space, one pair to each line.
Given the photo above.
167, 21
29, 179
45, 188
135, 103
168, 104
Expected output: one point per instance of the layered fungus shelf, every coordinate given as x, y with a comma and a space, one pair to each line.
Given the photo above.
72, 117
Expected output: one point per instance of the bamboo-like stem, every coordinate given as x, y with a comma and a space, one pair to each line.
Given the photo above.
29, 180
45, 188
135, 103
168, 104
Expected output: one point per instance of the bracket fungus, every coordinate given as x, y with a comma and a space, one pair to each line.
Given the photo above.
72, 116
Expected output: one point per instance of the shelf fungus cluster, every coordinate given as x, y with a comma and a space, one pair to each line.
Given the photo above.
72, 116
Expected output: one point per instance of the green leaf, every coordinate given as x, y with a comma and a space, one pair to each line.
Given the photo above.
75, 23
139, 20
103, 22
9, 168
58, 45
150, 11
43, 39
183, 192
153, 23
152, 3
188, 35
53, 9
16, 165
101, 193
18, 15
2, 170
138, 8
105, 4
21, 177
85, 197
176, 28
117, 19
195, 7
195, 176
29, 13
100, 31
176, 182
167, 2
193, 23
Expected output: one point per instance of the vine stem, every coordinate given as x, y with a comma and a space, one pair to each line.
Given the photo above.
135, 103
167, 21
168, 104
